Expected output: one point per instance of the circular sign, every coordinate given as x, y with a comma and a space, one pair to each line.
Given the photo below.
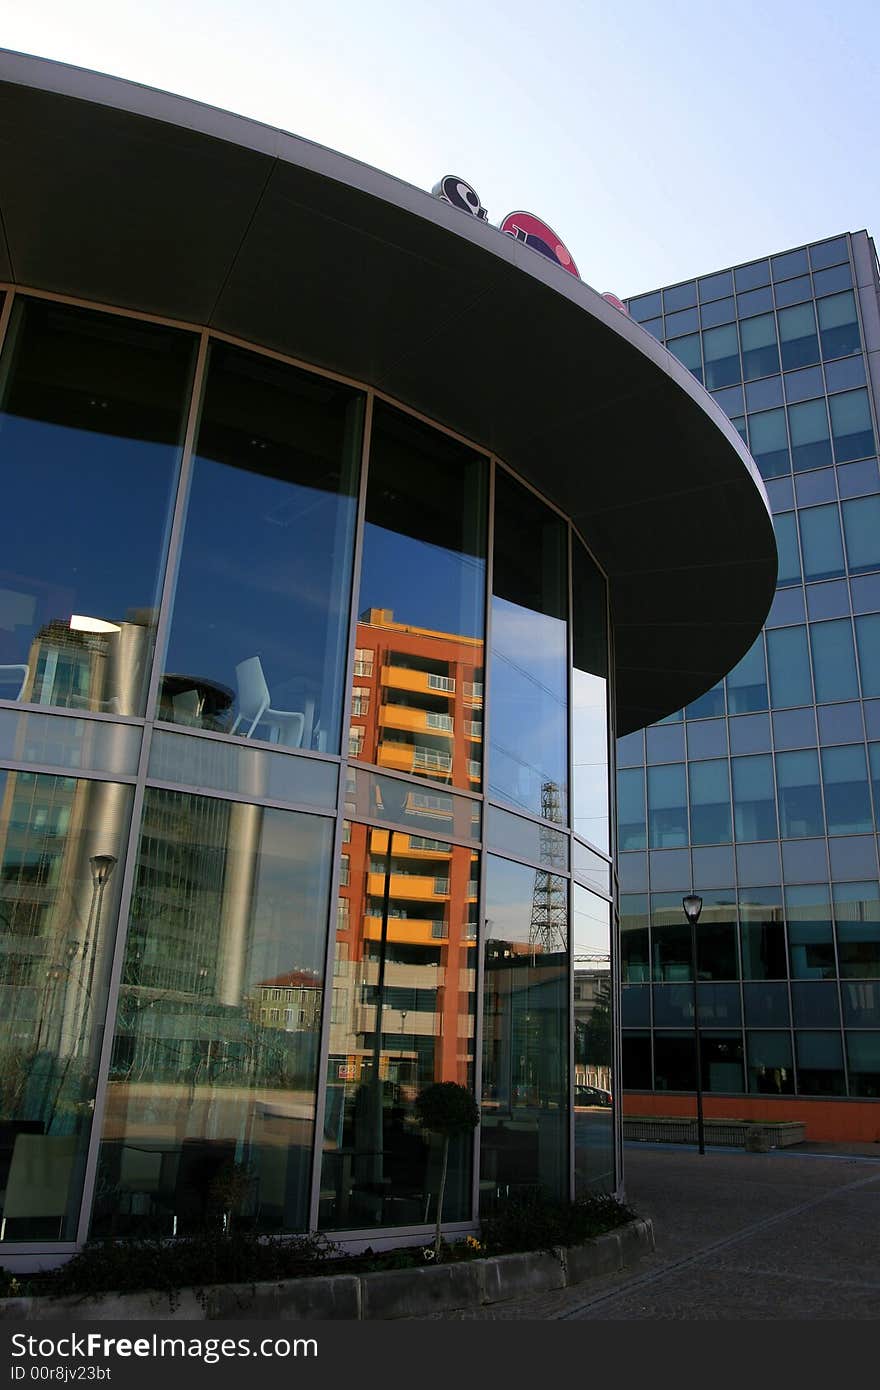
531, 231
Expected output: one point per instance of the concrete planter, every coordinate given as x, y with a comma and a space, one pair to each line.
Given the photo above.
384, 1295
674, 1129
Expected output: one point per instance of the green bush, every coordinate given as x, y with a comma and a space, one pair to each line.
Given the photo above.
531, 1222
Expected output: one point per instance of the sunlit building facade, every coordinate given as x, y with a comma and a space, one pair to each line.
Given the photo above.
312, 655
764, 794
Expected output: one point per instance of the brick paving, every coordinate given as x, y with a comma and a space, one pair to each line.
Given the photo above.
793, 1234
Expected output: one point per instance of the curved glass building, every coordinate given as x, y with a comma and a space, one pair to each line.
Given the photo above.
343, 535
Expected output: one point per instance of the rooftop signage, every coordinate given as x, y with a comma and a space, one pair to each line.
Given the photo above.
522, 226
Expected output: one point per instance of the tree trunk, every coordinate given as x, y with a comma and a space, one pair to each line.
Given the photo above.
440, 1196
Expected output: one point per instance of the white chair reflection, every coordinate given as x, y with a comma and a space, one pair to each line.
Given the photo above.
254, 707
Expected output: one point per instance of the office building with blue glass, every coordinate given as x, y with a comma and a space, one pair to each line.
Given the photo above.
764, 794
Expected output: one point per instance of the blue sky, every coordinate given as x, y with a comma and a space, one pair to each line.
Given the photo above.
660, 139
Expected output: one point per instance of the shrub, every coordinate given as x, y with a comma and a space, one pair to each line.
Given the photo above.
531, 1222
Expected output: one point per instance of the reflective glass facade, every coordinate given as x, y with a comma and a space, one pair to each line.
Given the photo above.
305, 729
763, 796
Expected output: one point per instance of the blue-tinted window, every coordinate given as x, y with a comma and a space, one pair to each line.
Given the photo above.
788, 264
821, 542
730, 398
871, 710
762, 934
721, 311
815, 1004
674, 718
633, 868
840, 723
851, 427
819, 1062
845, 373
861, 525
710, 802
760, 354
766, 1003
800, 801
803, 385
768, 442
857, 917
863, 1057
715, 286
750, 733
756, 864
713, 864
817, 486
764, 394
721, 356
645, 306
665, 743
829, 252
754, 302
707, 705
834, 664
785, 528
839, 277
781, 493
631, 750
749, 277
787, 608
847, 802
838, 325
810, 935
789, 667
769, 1063
754, 800
829, 600
706, 738
687, 350
866, 593
670, 868
874, 761
635, 1004
793, 291
747, 682
794, 728
868, 642
667, 807
853, 856
687, 321
631, 808
857, 479
810, 442
798, 340
739, 424
654, 327
679, 297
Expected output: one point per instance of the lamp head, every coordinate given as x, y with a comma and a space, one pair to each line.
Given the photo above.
693, 906
102, 867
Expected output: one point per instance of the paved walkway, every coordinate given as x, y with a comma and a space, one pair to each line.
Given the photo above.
794, 1234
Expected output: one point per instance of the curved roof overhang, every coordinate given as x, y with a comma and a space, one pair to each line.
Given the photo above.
127, 196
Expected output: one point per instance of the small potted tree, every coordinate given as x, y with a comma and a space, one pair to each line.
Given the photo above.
447, 1109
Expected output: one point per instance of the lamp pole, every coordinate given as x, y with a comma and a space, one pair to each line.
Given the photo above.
693, 906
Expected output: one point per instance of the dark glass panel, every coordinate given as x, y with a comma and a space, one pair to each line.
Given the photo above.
789, 263
93, 412
402, 1018
665, 743
821, 542
857, 479
645, 306
731, 400
826, 253
793, 291
810, 938
800, 801
709, 784
766, 1004
749, 734
813, 488
794, 728
839, 327
798, 338
637, 1061
762, 934
593, 1044
707, 705
754, 302
685, 322
840, 723
863, 1059
631, 826
721, 1062
60, 843
819, 1063
747, 682
845, 373
815, 1004
760, 353
525, 1027
679, 297
635, 1006
828, 600
764, 394
861, 526
780, 491
868, 643
589, 701
770, 1067
861, 1003
634, 938
721, 311
715, 286
851, 428
631, 750
706, 738
716, 940
674, 1064
687, 350
529, 753
749, 277
857, 916
785, 528
838, 277
847, 800
804, 385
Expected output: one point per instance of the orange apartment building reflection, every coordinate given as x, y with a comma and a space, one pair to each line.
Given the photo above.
417, 703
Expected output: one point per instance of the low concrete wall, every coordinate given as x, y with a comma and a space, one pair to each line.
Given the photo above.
674, 1129
386, 1294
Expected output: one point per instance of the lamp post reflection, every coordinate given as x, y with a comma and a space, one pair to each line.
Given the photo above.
693, 906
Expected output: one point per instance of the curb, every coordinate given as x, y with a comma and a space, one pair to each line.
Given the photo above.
382, 1295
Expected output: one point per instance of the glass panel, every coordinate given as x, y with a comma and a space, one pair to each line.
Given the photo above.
838, 326
654, 327
60, 843
418, 683
857, 915
766, 1004
844, 373
787, 608
674, 1066
798, 339
768, 442
218, 1022
402, 1017
721, 311
793, 291
800, 802
590, 868
631, 826
667, 806
645, 306
716, 945
810, 938
260, 621
781, 493
687, 350
851, 426
637, 1061
863, 1059
754, 801
529, 654
829, 252
707, 738
673, 1005
834, 665
761, 395
821, 542
709, 784
684, 322
679, 297
709, 704
759, 351
90, 435
820, 1064
721, 355
828, 600
665, 744
757, 863
785, 528
589, 701
715, 286
253, 773
748, 277
593, 1034
815, 1004
803, 385
847, 801
861, 1003
790, 263
810, 442
789, 667
868, 643
635, 965
861, 525
635, 1006
747, 682
525, 839
794, 728
721, 1061
770, 1067
762, 934
670, 950
840, 723
524, 1130
755, 302
631, 750
749, 734
731, 400
856, 479
421, 810
839, 277
93, 745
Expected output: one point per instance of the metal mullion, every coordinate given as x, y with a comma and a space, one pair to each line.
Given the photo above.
569, 820
113, 988
332, 907
5, 315
615, 943
178, 515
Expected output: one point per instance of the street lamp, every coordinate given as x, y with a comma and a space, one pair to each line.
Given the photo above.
693, 906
